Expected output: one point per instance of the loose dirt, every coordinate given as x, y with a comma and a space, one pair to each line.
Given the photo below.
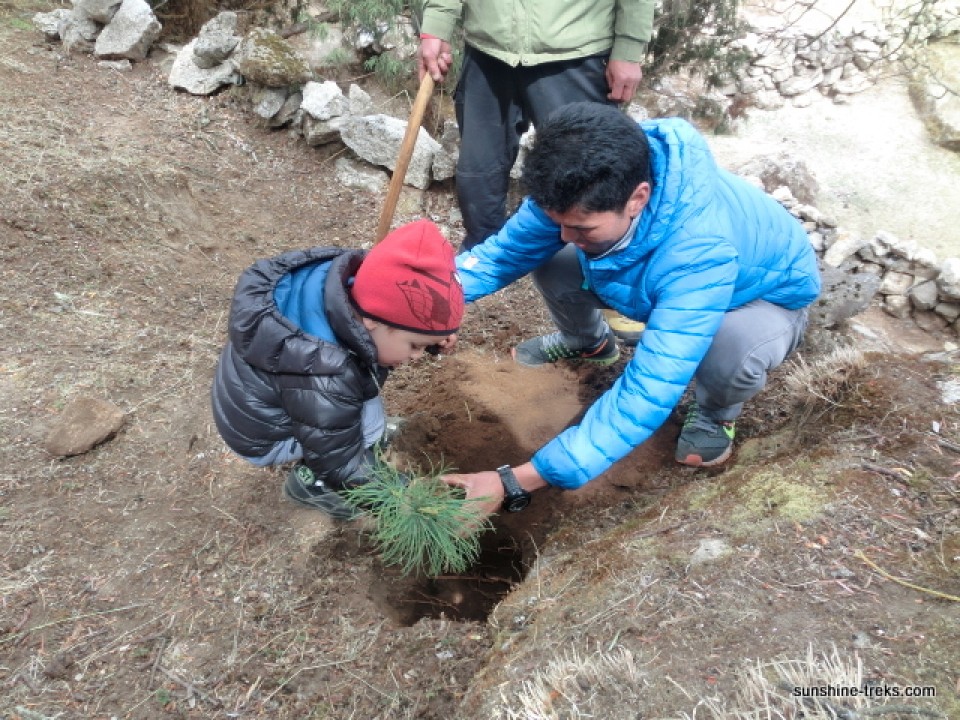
159, 576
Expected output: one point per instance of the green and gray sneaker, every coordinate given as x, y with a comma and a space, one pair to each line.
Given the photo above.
304, 489
551, 348
704, 442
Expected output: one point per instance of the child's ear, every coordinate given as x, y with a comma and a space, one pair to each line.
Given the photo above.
369, 323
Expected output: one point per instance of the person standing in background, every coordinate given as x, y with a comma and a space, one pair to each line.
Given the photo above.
522, 60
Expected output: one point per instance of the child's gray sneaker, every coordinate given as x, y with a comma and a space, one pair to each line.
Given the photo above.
303, 488
551, 348
704, 442
393, 427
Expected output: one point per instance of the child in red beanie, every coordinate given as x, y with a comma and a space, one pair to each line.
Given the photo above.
312, 337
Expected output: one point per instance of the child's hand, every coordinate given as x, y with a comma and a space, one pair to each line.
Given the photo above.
484, 487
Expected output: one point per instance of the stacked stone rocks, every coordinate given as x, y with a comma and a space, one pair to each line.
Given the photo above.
791, 64
902, 278
115, 30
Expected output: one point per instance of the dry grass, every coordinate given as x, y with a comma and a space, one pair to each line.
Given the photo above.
106, 182
784, 689
823, 383
15, 14
576, 686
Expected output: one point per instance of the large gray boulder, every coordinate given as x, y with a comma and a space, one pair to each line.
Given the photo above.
844, 294
377, 139
78, 32
186, 75
265, 58
100, 10
49, 23
217, 39
131, 32
784, 170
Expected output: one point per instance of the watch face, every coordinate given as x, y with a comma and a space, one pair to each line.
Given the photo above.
516, 503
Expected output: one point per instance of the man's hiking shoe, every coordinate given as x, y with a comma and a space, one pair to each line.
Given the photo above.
551, 348
704, 442
302, 488
627, 331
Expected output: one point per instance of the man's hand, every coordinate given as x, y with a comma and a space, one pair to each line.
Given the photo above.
623, 78
485, 485
434, 56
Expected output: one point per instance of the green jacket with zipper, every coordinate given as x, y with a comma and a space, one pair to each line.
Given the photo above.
532, 32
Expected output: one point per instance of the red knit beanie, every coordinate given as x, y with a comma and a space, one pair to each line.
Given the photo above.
409, 280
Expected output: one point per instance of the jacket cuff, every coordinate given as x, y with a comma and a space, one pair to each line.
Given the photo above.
553, 476
629, 50
439, 27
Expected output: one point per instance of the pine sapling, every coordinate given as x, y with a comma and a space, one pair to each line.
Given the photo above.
421, 523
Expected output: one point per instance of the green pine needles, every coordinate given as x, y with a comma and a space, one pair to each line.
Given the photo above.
423, 525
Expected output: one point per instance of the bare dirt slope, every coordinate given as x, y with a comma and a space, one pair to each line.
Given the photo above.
158, 576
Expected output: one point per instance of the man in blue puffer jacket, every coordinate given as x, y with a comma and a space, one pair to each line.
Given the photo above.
639, 218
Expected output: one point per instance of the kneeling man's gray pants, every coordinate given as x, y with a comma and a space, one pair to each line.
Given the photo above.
752, 339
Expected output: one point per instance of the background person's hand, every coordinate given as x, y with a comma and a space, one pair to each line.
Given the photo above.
434, 56
623, 79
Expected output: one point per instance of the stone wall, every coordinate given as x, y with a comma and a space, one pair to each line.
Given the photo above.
810, 48
798, 52
904, 279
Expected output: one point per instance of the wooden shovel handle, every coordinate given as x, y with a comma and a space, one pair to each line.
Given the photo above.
406, 151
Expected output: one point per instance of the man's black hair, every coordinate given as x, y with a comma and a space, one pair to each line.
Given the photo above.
587, 155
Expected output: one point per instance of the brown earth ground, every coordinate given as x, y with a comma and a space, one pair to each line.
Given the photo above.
158, 576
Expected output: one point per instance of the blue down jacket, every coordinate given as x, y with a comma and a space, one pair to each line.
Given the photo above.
298, 364
706, 243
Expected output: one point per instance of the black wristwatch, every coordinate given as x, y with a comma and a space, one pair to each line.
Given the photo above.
515, 498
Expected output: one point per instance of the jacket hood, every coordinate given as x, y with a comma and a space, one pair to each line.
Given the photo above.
266, 339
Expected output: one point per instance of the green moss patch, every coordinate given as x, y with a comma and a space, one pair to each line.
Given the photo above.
774, 493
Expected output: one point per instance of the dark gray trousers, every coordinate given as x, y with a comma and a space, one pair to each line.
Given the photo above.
752, 339
495, 104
